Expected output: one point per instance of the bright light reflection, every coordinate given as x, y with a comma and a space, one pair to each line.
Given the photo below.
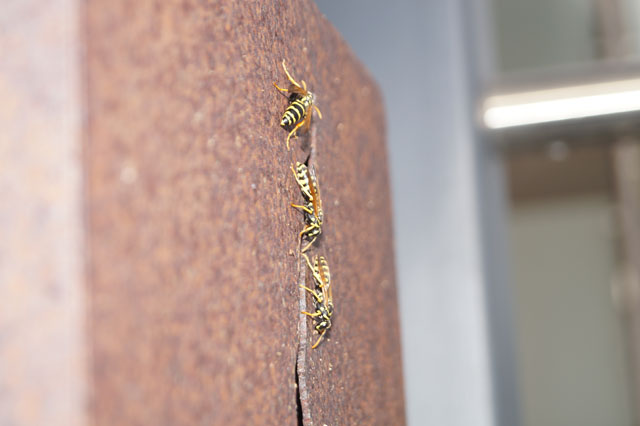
565, 103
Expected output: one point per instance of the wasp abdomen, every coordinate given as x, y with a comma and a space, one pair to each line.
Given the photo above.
295, 112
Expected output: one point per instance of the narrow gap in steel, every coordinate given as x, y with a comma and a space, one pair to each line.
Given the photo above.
298, 400
303, 408
302, 394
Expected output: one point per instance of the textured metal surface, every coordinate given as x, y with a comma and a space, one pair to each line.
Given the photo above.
42, 342
195, 306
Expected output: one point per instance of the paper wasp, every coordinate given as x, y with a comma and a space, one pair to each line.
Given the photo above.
298, 113
312, 209
322, 295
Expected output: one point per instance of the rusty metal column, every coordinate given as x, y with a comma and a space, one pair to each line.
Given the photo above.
193, 277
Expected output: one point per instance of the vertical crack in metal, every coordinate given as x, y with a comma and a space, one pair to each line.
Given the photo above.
302, 393
298, 400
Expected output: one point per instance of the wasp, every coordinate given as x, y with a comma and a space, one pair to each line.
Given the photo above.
322, 296
301, 101
312, 209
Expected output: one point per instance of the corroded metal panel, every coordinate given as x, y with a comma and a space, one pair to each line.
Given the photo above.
194, 272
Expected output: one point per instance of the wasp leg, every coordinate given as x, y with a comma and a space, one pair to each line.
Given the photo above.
292, 132
280, 88
308, 261
318, 298
304, 231
311, 315
306, 209
316, 276
318, 111
291, 89
284, 66
315, 345
307, 229
309, 245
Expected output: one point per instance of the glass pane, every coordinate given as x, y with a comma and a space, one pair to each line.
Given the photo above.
544, 33
547, 34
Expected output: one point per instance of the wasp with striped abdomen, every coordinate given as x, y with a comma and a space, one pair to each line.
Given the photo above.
312, 209
322, 295
301, 101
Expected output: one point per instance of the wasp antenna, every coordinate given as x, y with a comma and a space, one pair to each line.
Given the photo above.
315, 345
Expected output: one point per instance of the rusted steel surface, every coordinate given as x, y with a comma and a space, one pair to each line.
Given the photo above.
42, 344
193, 264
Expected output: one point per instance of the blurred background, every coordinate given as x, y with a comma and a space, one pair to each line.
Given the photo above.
512, 129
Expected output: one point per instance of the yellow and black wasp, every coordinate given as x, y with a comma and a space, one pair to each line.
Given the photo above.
301, 101
322, 295
312, 209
